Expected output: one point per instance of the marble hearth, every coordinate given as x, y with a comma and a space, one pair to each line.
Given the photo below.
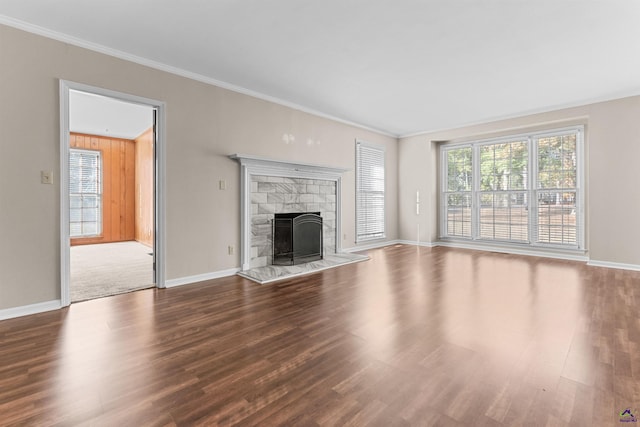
272, 273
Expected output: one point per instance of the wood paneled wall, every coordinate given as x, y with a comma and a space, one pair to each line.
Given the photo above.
118, 187
144, 228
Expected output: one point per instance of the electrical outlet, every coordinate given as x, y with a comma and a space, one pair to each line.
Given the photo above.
46, 177
231, 250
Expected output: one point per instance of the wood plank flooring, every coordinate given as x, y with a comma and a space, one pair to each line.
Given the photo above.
415, 336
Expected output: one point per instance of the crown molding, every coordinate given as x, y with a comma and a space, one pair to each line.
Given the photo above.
558, 107
75, 41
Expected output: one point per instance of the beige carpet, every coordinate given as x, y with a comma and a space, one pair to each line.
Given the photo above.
109, 269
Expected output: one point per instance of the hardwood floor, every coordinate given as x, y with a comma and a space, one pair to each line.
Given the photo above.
415, 336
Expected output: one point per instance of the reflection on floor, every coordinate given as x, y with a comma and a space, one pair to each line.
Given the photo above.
109, 269
272, 273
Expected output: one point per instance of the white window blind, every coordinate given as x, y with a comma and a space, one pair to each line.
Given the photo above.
556, 189
503, 212
524, 189
370, 182
457, 191
85, 193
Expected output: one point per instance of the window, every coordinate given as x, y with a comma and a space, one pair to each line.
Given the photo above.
502, 192
369, 191
85, 190
522, 190
458, 191
557, 189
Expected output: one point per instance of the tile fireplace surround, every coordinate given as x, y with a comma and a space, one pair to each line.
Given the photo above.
270, 186
275, 194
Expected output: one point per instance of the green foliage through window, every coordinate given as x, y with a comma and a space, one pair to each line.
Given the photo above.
523, 190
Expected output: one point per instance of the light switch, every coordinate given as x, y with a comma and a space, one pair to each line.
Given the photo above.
223, 184
46, 177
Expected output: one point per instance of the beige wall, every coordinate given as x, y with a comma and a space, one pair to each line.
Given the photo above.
612, 151
204, 124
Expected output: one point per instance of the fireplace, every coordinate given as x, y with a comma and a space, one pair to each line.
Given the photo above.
297, 238
268, 186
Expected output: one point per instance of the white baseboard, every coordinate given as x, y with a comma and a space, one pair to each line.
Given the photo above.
371, 246
415, 243
390, 243
516, 251
200, 277
618, 265
25, 310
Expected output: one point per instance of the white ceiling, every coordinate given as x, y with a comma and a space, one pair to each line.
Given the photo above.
401, 67
99, 115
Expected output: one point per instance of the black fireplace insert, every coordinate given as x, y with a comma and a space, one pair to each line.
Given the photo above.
297, 238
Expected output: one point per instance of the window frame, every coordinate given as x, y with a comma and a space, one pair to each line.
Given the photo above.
531, 191
477, 192
362, 237
579, 189
444, 192
99, 194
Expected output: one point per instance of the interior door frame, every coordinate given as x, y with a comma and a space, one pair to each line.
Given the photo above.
159, 177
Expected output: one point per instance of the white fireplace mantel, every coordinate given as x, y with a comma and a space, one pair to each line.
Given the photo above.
253, 165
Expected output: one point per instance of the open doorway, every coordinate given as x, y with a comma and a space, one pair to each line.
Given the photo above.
110, 188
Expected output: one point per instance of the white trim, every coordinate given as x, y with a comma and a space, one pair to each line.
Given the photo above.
616, 265
160, 146
181, 281
286, 169
99, 172
65, 255
515, 250
581, 191
516, 137
442, 200
526, 113
374, 246
26, 310
532, 212
379, 147
414, 243
65, 38
253, 165
531, 189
